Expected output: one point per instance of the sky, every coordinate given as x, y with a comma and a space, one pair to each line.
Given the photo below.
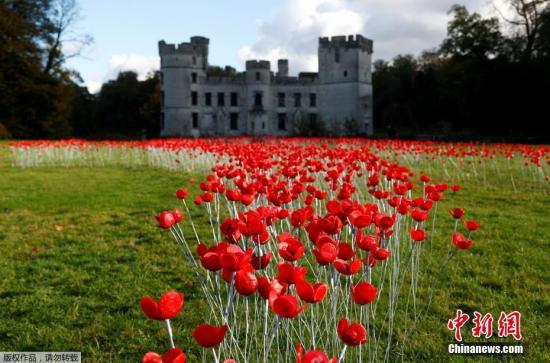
126, 32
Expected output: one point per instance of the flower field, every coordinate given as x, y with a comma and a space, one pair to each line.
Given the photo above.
275, 250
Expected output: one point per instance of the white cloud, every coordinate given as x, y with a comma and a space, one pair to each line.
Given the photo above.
396, 26
140, 64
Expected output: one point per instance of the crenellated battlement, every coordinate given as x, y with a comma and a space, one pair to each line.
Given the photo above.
351, 41
197, 46
258, 64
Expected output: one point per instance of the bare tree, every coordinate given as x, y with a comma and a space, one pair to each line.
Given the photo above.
65, 41
526, 16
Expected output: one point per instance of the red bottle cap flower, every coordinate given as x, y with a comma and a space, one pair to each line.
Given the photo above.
168, 307
363, 293
351, 334
208, 336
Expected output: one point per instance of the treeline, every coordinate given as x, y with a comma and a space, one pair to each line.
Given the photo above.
123, 108
480, 82
41, 98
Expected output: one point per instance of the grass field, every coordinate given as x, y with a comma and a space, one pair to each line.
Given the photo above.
80, 247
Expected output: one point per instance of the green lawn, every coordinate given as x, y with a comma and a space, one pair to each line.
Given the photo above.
80, 248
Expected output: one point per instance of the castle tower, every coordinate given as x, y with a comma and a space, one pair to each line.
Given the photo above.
345, 83
258, 81
183, 73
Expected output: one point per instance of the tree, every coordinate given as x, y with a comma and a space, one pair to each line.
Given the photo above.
35, 91
63, 41
527, 19
471, 35
126, 106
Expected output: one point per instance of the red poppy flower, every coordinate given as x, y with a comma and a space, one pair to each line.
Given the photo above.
245, 282
418, 235
345, 251
384, 221
260, 262
311, 293
403, 208
198, 200
419, 215
267, 286
288, 273
168, 307
456, 213
325, 254
247, 199
166, 219
285, 306
435, 196
331, 224
174, 355
347, 268
230, 227
233, 195
359, 219
234, 258
363, 293
178, 217
455, 188
300, 216
368, 242
381, 254
471, 225
291, 249
313, 356
351, 334
441, 187
461, 242
182, 193
208, 336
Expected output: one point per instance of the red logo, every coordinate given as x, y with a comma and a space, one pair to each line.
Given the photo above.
508, 324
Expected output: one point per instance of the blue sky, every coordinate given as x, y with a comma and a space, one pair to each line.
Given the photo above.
126, 32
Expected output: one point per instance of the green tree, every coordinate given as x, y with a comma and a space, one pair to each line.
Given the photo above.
35, 91
471, 35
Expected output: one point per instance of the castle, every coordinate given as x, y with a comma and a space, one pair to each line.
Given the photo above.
199, 100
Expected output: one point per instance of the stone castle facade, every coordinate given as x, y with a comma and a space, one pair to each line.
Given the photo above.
199, 100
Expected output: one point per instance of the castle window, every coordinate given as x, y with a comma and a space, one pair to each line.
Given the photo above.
258, 99
162, 120
234, 120
312, 100
258, 76
161, 77
337, 56
281, 97
195, 120
297, 100
234, 99
162, 98
281, 117
194, 60
345, 73
193, 77
194, 98
221, 99
208, 99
